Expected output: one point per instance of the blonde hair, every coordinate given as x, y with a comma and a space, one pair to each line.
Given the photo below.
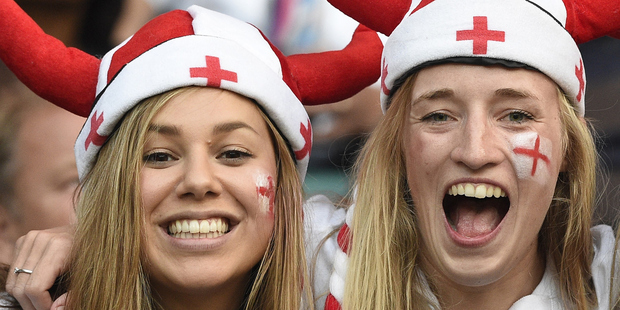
383, 271
107, 268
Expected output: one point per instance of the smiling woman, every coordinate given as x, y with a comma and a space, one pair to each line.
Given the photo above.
200, 174
191, 161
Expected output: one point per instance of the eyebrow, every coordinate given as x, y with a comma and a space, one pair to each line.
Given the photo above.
169, 130
514, 93
435, 94
232, 126
222, 128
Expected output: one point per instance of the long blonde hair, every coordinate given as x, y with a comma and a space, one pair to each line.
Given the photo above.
383, 270
107, 268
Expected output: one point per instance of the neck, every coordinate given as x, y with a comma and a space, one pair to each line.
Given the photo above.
501, 294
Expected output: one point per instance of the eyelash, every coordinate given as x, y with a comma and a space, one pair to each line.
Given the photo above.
429, 117
238, 155
232, 156
526, 115
150, 157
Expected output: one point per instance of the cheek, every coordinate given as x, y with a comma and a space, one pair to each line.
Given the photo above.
531, 156
265, 193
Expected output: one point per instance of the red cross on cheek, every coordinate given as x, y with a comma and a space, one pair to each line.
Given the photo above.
384, 74
534, 153
93, 136
580, 77
268, 191
213, 72
306, 132
481, 35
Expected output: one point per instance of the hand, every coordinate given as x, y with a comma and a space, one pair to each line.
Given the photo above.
46, 253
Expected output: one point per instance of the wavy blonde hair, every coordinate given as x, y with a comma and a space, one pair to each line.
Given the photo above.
383, 270
107, 268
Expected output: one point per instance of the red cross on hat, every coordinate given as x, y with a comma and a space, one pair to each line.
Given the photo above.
580, 76
93, 136
384, 73
481, 35
213, 72
306, 132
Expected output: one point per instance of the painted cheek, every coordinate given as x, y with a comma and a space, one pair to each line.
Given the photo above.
266, 193
531, 155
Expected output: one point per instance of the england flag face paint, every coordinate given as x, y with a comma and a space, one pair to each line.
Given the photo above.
266, 193
531, 155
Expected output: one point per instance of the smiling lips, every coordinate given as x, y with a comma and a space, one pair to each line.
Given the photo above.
475, 211
194, 229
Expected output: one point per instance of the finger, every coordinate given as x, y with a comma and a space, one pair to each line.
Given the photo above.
16, 281
18, 260
51, 265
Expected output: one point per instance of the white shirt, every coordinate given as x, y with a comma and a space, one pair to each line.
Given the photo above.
322, 218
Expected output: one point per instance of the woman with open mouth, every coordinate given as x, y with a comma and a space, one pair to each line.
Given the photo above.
477, 188
191, 160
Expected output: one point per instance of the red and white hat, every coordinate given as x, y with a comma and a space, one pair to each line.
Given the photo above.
536, 34
539, 34
182, 48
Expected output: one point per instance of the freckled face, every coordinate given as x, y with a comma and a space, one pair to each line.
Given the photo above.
478, 213
205, 228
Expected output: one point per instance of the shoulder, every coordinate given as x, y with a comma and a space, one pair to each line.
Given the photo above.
322, 220
321, 216
604, 243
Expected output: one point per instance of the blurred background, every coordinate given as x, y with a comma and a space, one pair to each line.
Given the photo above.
313, 25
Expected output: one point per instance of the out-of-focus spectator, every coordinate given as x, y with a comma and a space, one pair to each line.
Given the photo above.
38, 174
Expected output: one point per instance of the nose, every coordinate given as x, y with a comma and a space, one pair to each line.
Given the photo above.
478, 145
199, 178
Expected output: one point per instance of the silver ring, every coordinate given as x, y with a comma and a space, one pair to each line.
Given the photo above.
20, 270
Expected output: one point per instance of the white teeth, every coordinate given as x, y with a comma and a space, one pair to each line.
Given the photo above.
469, 190
186, 229
478, 191
194, 227
204, 227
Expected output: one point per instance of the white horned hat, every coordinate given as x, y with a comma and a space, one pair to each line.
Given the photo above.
182, 48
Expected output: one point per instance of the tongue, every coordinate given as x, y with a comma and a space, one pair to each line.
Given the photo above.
474, 220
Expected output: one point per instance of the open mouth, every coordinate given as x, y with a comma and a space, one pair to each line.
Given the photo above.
475, 210
195, 229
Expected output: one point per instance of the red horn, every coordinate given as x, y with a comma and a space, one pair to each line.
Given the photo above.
590, 19
64, 76
327, 77
380, 15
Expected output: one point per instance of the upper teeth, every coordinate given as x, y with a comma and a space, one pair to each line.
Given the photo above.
479, 191
198, 228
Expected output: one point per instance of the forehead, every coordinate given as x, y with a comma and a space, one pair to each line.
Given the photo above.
477, 79
209, 106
